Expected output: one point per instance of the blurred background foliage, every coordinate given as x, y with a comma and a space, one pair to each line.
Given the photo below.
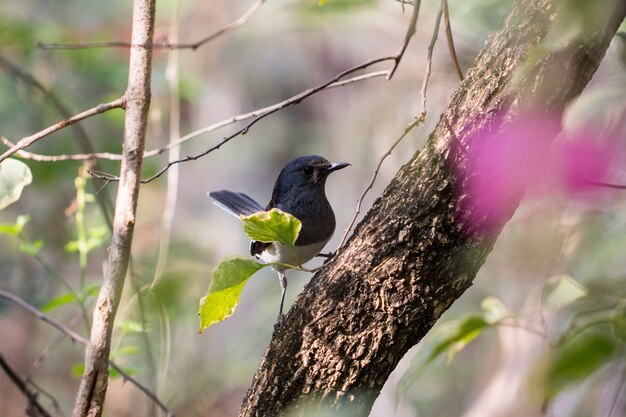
520, 356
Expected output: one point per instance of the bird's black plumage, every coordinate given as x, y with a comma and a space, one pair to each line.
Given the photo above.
300, 191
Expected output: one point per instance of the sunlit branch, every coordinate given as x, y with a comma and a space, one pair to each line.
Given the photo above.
429, 59
257, 115
448, 29
411, 29
186, 138
29, 140
164, 44
78, 338
418, 120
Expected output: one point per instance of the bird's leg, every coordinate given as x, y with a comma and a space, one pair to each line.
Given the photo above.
283, 289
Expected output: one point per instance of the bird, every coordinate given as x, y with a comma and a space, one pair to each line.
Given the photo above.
300, 191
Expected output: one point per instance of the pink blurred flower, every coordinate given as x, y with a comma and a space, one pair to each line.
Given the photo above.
581, 162
502, 161
497, 163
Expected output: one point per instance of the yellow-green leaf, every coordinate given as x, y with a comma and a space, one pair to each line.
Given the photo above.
272, 226
229, 278
562, 290
14, 176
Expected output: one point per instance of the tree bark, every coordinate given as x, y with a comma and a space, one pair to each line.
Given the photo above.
93, 385
412, 256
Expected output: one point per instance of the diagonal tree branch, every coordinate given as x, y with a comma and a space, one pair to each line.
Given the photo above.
414, 253
34, 409
165, 44
29, 140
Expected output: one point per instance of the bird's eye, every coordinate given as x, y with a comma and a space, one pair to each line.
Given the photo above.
308, 170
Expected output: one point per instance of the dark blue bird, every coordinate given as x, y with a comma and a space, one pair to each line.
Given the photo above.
299, 191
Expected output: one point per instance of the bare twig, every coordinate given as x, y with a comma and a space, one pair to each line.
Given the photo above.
78, 338
257, 115
290, 102
418, 120
606, 184
429, 59
410, 31
448, 29
186, 138
29, 140
34, 408
165, 44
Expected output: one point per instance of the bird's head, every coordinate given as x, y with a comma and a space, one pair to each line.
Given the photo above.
306, 172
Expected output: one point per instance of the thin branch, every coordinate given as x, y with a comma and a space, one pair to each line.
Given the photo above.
417, 121
606, 184
78, 338
34, 408
287, 103
264, 111
257, 115
186, 138
429, 59
29, 140
448, 29
410, 31
165, 44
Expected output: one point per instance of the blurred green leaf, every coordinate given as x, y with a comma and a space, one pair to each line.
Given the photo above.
31, 248
452, 337
124, 351
272, 226
130, 326
619, 323
560, 291
15, 228
229, 278
79, 368
579, 359
59, 301
493, 310
14, 176
96, 237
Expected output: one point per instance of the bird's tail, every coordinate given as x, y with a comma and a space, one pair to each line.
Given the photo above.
235, 203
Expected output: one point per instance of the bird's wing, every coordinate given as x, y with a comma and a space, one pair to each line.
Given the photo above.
235, 203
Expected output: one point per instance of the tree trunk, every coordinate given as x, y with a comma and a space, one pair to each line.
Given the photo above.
414, 253
93, 385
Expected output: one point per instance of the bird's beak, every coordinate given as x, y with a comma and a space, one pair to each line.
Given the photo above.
334, 166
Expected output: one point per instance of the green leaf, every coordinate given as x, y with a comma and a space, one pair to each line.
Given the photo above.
578, 360
560, 291
31, 248
59, 301
493, 310
124, 351
272, 226
452, 337
79, 368
619, 323
130, 326
229, 278
15, 229
14, 176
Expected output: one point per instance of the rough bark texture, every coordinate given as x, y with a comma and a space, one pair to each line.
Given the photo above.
93, 385
410, 258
